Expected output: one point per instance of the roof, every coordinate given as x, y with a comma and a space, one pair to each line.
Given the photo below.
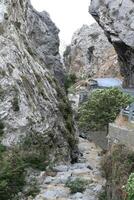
109, 82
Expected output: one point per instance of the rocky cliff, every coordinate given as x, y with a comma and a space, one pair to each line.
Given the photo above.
90, 54
32, 102
117, 20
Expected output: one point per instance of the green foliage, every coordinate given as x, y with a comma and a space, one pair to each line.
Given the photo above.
2, 149
32, 189
35, 160
130, 187
66, 110
15, 104
102, 108
69, 81
12, 175
1, 93
103, 196
34, 151
78, 185
31, 152
2, 126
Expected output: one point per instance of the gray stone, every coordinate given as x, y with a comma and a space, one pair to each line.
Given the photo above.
90, 54
55, 192
116, 18
48, 180
29, 66
98, 188
61, 168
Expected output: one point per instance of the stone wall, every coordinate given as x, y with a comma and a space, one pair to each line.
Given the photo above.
121, 135
98, 137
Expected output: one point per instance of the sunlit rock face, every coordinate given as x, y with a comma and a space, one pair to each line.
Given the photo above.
117, 20
31, 99
90, 54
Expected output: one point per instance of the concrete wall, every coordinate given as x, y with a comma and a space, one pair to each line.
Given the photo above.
98, 137
121, 135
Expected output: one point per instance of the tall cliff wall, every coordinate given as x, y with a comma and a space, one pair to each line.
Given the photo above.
117, 20
90, 54
31, 99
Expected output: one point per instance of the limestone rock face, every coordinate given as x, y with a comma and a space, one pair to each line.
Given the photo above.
31, 99
90, 54
117, 20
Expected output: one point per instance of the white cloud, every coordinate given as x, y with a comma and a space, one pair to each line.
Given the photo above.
68, 15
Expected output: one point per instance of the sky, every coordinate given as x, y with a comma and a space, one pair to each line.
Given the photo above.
68, 15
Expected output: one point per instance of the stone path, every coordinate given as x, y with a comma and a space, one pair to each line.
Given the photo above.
88, 168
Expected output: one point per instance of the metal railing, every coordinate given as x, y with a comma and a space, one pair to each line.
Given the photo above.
129, 112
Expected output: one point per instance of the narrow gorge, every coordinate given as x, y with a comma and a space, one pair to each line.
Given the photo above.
45, 98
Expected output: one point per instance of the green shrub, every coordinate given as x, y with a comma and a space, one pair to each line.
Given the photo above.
32, 189
77, 185
67, 113
131, 157
34, 151
103, 196
1, 92
31, 152
130, 187
12, 175
2, 149
15, 104
35, 160
2, 126
69, 81
102, 108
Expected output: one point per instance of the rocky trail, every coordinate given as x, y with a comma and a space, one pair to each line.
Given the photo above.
53, 186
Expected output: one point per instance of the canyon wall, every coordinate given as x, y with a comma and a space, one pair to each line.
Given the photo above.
90, 54
117, 20
31, 78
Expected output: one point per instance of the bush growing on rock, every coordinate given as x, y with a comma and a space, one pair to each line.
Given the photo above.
15, 104
12, 174
34, 151
103, 195
31, 152
2, 126
102, 108
77, 185
70, 80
